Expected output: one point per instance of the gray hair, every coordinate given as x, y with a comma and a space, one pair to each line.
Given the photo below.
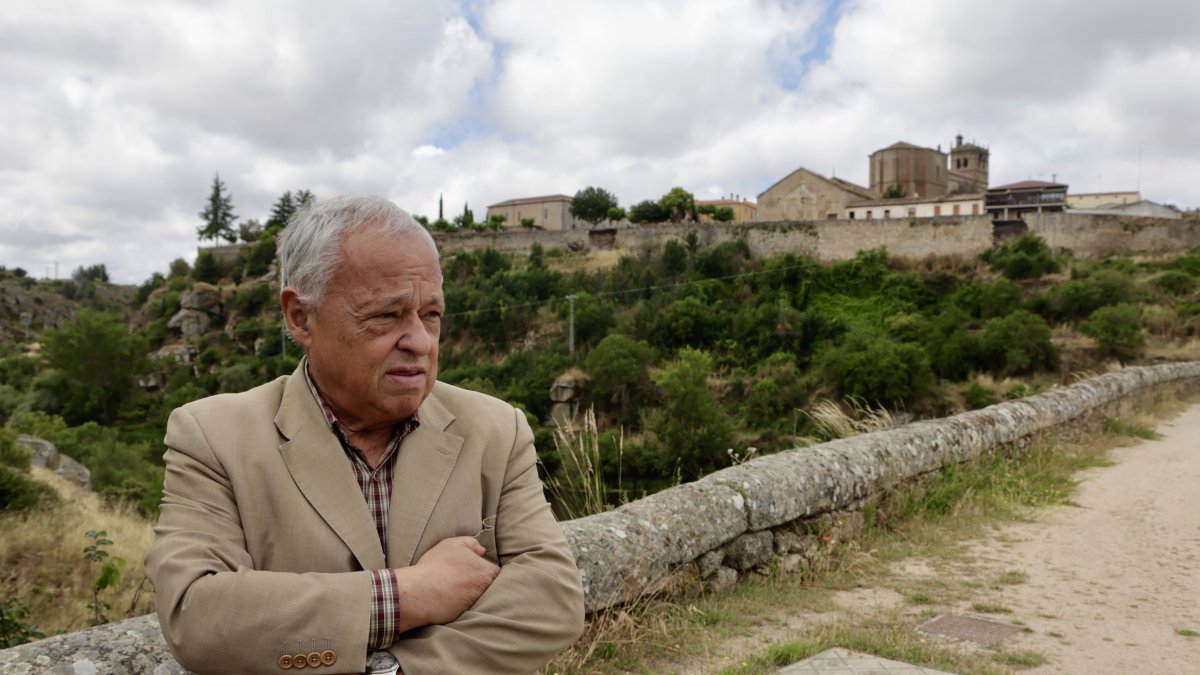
310, 245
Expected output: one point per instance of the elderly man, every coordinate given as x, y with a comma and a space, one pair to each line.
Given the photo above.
359, 504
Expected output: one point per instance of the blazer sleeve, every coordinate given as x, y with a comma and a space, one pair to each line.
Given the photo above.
534, 608
219, 614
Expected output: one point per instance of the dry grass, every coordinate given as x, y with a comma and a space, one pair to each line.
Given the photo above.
41, 559
852, 417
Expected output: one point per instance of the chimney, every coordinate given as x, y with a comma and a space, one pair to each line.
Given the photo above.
958, 141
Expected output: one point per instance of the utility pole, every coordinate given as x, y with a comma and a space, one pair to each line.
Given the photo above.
571, 325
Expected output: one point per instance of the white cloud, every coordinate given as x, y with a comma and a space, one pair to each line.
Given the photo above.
117, 115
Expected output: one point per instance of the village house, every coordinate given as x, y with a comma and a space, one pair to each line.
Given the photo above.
744, 210
550, 212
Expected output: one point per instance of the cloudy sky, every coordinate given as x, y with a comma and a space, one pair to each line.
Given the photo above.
115, 116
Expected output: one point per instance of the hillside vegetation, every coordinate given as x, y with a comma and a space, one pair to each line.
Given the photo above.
692, 358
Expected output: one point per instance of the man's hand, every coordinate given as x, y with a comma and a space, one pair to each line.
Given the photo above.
444, 582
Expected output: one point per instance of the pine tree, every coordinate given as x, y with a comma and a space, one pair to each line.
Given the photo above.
218, 215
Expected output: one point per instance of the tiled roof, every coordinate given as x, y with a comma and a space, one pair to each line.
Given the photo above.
1027, 185
531, 200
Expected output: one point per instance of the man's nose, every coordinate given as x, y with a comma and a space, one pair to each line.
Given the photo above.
413, 336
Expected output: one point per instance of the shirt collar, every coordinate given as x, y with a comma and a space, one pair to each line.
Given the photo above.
405, 425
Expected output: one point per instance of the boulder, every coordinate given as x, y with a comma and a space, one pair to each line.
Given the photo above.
190, 323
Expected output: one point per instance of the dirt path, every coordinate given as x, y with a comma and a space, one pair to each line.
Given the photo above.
1108, 585
1112, 583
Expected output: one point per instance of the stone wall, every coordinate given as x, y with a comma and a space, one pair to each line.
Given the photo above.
1087, 235
1095, 235
786, 508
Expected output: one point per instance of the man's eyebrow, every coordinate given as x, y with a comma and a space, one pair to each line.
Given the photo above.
402, 299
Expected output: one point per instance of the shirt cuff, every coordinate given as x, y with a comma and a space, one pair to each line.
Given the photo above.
385, 609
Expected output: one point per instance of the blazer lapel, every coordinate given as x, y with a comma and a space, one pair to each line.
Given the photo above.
320, 469
427, 457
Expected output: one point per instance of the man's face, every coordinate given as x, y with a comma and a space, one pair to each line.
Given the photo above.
373, 343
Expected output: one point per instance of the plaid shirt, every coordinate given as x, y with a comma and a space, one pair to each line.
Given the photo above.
376, 486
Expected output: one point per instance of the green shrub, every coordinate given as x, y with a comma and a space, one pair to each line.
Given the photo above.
693, 430
978, 396
999, 299
1028, 257
872, 366
1078, 298
18, 490
1175, 282
1117, 329
1017, 343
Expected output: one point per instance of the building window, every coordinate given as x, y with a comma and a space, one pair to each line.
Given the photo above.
912, 212
956, 209
887, 213
851, 215
831, 216
937, 210
975, 209
868, 214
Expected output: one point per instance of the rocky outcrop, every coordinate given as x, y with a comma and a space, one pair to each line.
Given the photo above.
786, 509
198, 309
45, 454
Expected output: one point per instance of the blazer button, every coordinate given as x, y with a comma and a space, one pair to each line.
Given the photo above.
285, 661
328, 657
300, 661
314, 659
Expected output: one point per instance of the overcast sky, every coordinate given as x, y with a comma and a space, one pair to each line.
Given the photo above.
115, 116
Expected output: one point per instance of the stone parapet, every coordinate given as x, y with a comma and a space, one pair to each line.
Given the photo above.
782, 507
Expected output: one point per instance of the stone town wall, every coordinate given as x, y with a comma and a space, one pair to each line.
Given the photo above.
1095, 235
780, 508
1087, 235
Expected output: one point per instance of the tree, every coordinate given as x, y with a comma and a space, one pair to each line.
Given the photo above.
282, 211
1118, 329
869, 364
1017, 343
618, 364
646, 211
591, 204
677, 204
723, 214
218, 215
692, 427
99, 361
250, 231
895, 191
96, 272
616, 214
206, 268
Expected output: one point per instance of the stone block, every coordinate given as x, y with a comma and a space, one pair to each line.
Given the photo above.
748, 550
723, 580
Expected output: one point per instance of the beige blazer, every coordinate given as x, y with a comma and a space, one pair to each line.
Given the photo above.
264, 536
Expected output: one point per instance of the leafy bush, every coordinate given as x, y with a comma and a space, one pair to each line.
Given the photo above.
693, 430
870, 365
1017, 343
999, 299
1028, 257
1175, 282
978, 396
18, 490
251, 300
1117, 329
1078, 298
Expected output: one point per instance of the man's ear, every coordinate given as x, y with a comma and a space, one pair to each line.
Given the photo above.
297, 315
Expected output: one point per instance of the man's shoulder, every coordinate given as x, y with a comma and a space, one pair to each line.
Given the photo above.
260, 402
455, 397
471, 406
